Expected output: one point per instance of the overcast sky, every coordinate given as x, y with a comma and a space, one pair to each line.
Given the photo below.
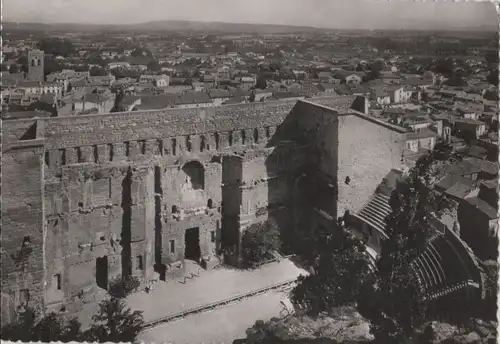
376, 14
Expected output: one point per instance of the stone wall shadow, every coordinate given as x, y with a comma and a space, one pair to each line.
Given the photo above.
285, 167
126, 233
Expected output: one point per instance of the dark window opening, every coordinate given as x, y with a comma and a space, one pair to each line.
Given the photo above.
102, 238
243, 137
202, 143
111, 152
80, 204
217, 141
210, 204
26, 240
96, 155
79, 154
24, 296
230, 138
188, 143
175, 209
127, 148
192, 249
63, 156
347, 180
139, 263
212, 236
143, 147
160, 146
256, 135
171, 244
47, 158
268, 132
174, 146
195, 175
57, 278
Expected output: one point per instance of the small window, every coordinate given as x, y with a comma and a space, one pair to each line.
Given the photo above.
210, 204
47, 158
139, 263
172, 246
347, 180
175, 209
174, 146
212, 236
57, 281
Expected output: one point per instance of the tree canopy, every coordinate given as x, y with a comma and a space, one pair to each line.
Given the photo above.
57, 47
259, 241
114, 322
393, 303
337, 277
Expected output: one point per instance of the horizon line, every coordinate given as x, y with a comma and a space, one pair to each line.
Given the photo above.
486, 27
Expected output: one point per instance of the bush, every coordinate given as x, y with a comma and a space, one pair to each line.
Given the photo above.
259, 242
122, 287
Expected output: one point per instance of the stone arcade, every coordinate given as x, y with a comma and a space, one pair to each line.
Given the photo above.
92, 197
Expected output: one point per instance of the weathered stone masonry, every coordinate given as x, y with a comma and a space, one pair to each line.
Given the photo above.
91, 197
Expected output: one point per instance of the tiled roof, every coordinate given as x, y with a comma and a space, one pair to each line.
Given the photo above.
195, 98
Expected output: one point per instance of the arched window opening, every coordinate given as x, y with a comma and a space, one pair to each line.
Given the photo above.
243, 137
194, 174
256, 135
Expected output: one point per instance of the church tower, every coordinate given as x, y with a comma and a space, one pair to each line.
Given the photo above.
36, 67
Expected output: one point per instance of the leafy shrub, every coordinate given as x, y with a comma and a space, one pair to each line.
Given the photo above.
121, 287
259, 242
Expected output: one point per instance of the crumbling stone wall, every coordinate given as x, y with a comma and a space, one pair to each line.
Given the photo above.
109, 184
23, 223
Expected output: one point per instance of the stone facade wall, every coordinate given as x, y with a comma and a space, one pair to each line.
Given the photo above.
368, 150
110, 195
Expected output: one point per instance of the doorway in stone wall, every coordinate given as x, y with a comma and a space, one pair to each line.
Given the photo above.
192, 244
101, 273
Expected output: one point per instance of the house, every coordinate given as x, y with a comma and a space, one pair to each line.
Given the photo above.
107, 54
105, 80
469, 128
94, 103
261, 95
397, 94
420, 139
194, 100
219, 96
119, 65
156, 102
481, 233
327, 88
39, 88
347, 77
325, 77
380, 95
157, 80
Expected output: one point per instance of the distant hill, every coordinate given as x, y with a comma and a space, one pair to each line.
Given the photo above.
215, 27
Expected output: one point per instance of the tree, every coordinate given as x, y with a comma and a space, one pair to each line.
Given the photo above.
57, 47
393, 303
492, 77
261, 83
252, 97
114, 322
97, 71
49, 328
337, 277
154, 66
259, 241
14, 69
